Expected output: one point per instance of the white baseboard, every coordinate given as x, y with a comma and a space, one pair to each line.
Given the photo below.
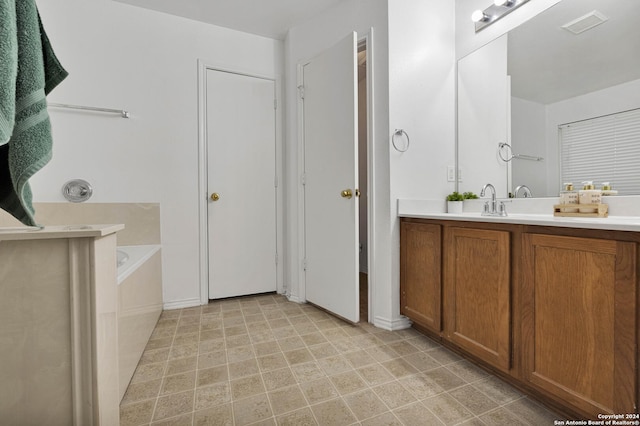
179, 304
392, 325
295, 299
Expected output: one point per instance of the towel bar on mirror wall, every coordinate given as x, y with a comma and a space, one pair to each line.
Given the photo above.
503, 145
123, 113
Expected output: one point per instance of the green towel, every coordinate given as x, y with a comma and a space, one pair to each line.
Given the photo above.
29, 70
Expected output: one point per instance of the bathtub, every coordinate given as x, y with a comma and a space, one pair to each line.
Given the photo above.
139, 279
130, 258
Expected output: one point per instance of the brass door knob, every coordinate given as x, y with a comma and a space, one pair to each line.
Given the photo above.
215, 196
346, 193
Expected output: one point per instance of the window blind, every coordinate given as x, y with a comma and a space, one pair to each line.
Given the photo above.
602, 149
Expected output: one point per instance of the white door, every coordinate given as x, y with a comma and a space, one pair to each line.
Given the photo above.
241, 184
330, 120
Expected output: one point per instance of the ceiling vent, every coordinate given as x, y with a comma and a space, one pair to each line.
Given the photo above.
586, 22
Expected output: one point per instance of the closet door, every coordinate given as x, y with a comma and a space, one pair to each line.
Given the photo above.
241, 184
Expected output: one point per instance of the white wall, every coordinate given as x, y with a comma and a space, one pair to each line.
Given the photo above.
467, 40
535, 131
483, 98
120, 56
528, 136
302, 43
421, 102
413, 89
618, 98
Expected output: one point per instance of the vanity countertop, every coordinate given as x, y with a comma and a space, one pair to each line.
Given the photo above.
62, 231
425, 210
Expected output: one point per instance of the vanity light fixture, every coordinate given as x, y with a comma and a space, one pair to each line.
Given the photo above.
499, 8
480, 16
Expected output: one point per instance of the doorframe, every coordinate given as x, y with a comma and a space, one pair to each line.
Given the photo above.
368, 40
203, 198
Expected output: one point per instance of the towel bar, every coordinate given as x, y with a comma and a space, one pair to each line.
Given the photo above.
123, 113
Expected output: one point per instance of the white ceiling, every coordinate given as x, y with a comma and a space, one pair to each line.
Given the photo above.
268, 18
548, 64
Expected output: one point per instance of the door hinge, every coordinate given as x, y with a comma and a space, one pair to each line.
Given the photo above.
275, 104
301, 92
276, 258
275, 181
303, 179
304, 265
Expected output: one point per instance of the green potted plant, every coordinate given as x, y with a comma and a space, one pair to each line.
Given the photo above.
469, 195
455, 201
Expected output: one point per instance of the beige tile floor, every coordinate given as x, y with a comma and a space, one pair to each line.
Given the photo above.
264, 360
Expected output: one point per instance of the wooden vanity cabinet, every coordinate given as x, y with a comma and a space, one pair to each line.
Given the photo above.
579, 321
553, 310
477, 293
420, 274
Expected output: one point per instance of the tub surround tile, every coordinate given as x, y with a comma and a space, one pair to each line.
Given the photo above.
58, 326
141, 220
139, 311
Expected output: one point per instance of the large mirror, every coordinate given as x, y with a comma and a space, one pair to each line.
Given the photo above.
516, 93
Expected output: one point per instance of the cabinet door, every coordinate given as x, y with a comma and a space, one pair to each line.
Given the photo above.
578, 326
477, 288
420, 274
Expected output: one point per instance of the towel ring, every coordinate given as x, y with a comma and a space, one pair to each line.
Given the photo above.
504, 145
399, 132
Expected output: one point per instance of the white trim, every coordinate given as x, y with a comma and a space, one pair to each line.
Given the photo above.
280, 252
300, 294
393, 324
202, 186
371, 193
203, 199
83, 394
184, 303
295, 299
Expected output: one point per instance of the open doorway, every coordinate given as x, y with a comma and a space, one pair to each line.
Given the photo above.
363, 181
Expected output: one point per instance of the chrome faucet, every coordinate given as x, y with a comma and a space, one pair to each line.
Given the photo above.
492, 208
527, 191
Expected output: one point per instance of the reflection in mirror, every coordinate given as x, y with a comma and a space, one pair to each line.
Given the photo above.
554, 77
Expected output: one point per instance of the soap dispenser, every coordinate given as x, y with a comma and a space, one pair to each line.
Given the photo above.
569, 196
589, 195
606, 189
